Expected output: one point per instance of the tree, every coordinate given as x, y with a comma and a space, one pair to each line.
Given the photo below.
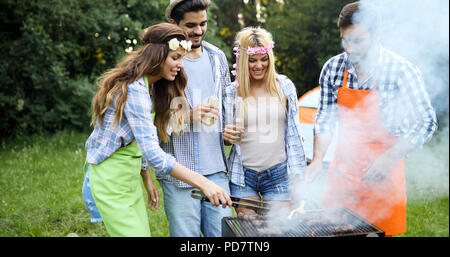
53, 50
306, 36
51, 57
305, 32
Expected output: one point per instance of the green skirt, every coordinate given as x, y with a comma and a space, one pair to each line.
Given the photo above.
117, 190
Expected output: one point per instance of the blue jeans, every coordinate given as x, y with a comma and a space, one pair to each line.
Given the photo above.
188, 216
89, 200
272, 184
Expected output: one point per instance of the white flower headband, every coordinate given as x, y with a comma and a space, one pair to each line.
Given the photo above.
174, 44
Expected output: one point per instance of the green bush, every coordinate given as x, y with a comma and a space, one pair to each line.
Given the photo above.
37, 89
53, 50
53, 53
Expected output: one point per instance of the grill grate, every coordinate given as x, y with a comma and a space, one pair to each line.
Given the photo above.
299, 226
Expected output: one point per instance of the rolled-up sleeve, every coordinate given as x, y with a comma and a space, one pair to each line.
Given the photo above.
137, 112
326, 113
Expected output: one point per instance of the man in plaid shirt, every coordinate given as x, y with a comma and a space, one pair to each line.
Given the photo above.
200, 147
382, 111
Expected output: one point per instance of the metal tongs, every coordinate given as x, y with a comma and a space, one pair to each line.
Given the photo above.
236, 201
301, 208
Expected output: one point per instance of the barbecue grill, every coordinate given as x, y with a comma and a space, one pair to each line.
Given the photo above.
322, 226
338, 222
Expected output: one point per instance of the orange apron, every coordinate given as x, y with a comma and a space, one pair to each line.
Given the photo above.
362, 137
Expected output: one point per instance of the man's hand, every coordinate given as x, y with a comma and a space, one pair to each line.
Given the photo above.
297, 189
379, 168
204, 112
321, 143
313, 170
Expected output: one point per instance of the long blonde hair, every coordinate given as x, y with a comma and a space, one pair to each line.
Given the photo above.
146, 60
255, 37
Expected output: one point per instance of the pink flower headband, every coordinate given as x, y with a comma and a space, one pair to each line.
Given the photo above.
250, 51
260, 49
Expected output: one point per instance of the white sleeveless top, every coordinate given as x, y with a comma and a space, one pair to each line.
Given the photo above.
263, 145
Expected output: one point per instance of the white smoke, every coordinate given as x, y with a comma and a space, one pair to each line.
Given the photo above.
419, 31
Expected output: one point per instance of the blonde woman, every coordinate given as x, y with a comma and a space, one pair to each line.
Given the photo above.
125, 141
270, 145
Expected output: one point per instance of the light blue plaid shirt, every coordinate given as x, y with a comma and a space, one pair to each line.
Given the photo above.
405, 106
295, 155
184, 147
136, 124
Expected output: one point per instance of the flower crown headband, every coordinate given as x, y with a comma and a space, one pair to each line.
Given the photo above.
255, 50
174, 43
250, 51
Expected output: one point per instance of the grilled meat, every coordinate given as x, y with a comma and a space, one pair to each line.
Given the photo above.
269, 231
344, 229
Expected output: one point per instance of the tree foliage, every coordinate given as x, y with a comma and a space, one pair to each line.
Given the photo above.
307, 36
53, 50
305, 33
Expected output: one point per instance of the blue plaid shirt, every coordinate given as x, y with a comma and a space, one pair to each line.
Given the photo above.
404, 103
185, 146
295, 155
136, 124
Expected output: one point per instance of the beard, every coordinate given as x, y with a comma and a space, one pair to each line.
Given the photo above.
196, 45
196, 36
355, 58
367, 57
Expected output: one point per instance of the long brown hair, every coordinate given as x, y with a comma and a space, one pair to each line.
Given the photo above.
146, 60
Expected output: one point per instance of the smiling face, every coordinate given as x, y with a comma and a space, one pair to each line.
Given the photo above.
258, 65
194, 24
173, 64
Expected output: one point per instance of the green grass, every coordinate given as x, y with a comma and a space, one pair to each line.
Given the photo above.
427, 218
41, 179
427, 188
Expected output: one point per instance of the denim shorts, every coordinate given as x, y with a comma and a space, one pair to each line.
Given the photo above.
271, 184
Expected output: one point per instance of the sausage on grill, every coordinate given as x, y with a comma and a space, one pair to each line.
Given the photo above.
269, 231
344, 229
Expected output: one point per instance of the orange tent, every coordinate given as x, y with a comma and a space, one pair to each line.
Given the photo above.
307, 106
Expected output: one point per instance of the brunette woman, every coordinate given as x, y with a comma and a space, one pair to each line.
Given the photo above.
125, 141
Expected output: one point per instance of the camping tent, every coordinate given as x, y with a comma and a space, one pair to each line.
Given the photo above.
307, 107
